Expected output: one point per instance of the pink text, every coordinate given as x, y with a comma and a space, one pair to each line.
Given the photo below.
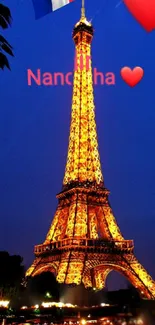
61, 79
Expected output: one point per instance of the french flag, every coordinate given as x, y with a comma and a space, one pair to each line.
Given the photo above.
44, 7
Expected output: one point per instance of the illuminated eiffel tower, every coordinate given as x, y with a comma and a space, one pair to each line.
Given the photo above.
84, 242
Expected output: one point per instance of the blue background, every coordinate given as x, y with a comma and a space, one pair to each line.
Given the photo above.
34, 124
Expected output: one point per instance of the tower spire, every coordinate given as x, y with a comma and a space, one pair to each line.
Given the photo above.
83, 10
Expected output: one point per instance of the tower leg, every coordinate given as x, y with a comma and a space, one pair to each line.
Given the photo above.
41, 265
87, 281
96, 273
140, 279
99, 276
32, 268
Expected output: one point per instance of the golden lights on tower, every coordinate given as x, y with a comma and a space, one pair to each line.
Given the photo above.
84, 242
83, 161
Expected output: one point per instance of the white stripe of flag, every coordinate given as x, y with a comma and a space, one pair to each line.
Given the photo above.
56, 4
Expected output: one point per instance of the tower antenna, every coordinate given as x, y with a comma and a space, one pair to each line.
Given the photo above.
83, 9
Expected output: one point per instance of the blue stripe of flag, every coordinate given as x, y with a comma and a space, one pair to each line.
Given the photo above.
42, 7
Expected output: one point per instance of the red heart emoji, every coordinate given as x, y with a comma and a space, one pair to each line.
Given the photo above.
143, 11
132, 77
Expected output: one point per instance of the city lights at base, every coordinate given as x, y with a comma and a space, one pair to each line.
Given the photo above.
4, 303
57, 304
36, 306
60, 304
49, 305
104, 305
139, 321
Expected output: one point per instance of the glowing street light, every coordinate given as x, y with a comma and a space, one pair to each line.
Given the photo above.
48, 295
36, 306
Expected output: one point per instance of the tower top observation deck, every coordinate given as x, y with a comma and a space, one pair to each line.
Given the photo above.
83, 24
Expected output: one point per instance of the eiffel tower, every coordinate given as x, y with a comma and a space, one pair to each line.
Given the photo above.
84, 242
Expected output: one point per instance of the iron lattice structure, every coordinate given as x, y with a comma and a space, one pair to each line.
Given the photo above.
84, 242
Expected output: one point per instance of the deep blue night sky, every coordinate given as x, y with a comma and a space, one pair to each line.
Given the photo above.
34, 124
